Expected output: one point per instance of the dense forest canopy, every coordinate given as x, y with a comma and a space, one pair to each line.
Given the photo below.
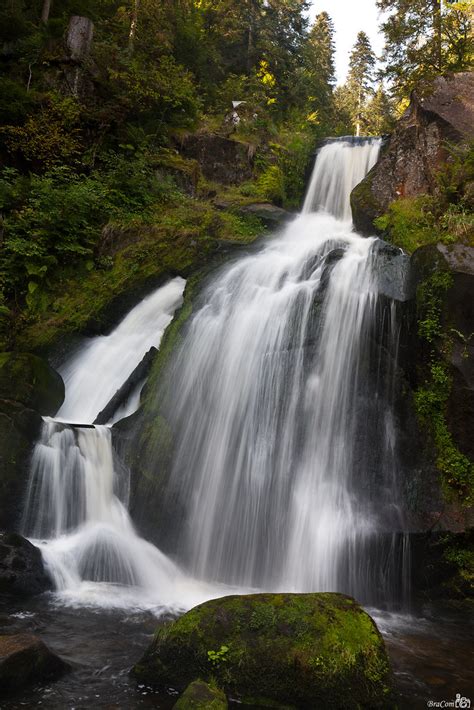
91, 108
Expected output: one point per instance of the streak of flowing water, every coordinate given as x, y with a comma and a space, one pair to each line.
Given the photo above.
280, 404
341, 165
94, 374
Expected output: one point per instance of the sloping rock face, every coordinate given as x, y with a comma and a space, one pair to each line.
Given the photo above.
24, 660
21, 567
410, 159
283, 650
29, 389
221, 159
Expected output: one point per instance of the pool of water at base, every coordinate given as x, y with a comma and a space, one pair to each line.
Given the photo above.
431, 654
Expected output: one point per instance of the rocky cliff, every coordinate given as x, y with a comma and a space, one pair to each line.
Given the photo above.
440, 113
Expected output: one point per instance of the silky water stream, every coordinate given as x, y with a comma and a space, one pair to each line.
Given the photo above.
282, 403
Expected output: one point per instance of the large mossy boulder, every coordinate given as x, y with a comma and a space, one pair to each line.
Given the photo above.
283, 650
22, 570
29, 380
29, 389
440, 113
24, 660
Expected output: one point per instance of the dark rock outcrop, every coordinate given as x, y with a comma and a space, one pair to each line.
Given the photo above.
29, 388
137, 377
297, 650
21, 567
220, 159
24, 660
442, 112
200, 696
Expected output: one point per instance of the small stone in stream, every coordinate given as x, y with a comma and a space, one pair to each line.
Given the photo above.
201, 696
25, 659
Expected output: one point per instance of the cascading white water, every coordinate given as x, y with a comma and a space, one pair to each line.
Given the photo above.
97, 370
270, 402
341, 165
77, 497
268, 399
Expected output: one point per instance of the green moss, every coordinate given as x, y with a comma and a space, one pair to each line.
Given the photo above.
288, 649
410, 223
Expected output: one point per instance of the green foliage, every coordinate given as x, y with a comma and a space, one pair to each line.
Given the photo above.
410, 222
422, 43
430, 402
218, 657
432, 397
270, 185
430, 296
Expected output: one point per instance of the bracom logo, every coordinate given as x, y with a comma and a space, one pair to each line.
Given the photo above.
459, 702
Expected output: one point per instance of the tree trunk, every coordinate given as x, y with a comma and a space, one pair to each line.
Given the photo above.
438, 34
133, 24
45, 11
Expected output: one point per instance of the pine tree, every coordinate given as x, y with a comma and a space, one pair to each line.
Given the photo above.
424, 39
360, 78
379, 113
319, 60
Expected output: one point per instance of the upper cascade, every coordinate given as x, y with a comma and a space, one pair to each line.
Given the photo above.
341, 164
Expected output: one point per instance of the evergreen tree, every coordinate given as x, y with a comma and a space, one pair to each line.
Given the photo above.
360, 79
424, 39
320, 75
379, 113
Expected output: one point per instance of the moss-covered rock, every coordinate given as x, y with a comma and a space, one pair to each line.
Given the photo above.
293, 650
29, 380
201, 696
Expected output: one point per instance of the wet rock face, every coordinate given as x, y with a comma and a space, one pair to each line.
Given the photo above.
220, 159
24, 660
296, 650
29, 388
410, 159
21, 567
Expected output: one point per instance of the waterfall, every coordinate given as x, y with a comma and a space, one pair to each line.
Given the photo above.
280, 404
280, 400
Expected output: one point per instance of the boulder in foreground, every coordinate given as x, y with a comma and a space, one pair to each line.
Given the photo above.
292, 650
25, 659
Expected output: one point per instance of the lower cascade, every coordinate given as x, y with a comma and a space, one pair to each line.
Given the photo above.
281, 401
